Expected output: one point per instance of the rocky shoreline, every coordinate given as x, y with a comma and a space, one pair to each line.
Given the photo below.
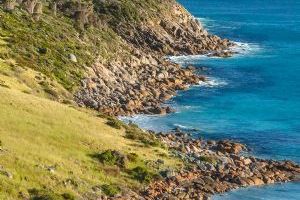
145, 79
212, 167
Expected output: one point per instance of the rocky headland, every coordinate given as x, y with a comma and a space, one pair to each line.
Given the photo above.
144, 80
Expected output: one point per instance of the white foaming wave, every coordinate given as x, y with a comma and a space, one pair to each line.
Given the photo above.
212, 82
181, 126
187, 59
185, 127
204, 21
185, 108
242, 48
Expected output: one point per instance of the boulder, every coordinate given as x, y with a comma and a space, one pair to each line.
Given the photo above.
257, 181
73, 58
247, 161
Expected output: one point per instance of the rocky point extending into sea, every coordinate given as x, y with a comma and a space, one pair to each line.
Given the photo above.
146, 79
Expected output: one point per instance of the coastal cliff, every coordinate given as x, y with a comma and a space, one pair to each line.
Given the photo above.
110, 56
142, 81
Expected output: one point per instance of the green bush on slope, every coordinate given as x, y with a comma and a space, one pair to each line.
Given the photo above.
110, 190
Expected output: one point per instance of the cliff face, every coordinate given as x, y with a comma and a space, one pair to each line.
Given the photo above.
139, 83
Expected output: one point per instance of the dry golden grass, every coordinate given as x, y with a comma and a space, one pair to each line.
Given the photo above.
37, 133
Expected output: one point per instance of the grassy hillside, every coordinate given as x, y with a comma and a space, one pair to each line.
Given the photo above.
46, 45
47, 146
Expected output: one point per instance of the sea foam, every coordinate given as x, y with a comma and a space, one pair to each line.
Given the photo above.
212, 82
239, 49
242, 48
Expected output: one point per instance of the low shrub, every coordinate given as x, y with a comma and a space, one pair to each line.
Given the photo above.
132, 157
135, 133
142, 174
208, 159
111, 157
68, 196
36, 194
110, 190
115, 123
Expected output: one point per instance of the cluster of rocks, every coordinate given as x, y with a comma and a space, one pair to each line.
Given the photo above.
212, 167
144, 80
217, 167
129, 88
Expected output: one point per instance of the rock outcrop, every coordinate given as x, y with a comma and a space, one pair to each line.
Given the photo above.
125, 89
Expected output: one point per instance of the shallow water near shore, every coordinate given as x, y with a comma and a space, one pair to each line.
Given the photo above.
253, 97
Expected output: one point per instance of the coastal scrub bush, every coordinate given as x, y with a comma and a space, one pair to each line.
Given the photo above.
110, 157
208, 159
121, 11
68, 196
132, 157
115, 123
110, 190
107, 157
142, 174
36, 194
135, 133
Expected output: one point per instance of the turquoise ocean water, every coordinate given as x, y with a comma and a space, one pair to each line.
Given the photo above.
253, 97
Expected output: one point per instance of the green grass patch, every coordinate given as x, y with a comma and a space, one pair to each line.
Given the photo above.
110, 190
36, 194
133, 132
142, 174
46, 45
209, 159
115, 123
112, 157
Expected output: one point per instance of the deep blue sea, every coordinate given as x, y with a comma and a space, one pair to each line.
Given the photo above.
253, 97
